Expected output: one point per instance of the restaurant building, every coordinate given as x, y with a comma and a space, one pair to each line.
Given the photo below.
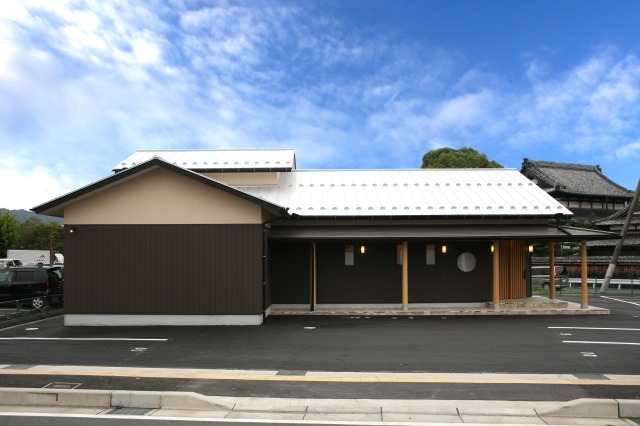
204, 237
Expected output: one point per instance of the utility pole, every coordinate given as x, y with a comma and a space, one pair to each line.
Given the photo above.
51, 250
623, 233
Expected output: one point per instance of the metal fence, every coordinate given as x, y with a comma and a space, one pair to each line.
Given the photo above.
13, 309
618, 286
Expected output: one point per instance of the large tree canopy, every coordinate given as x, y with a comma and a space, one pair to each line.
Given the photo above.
32, 234
463, 158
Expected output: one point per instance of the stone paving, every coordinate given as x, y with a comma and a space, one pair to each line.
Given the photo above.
536, 305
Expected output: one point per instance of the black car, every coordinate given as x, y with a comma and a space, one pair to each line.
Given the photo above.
37, 286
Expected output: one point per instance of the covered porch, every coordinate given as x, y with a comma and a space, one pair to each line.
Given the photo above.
415, 270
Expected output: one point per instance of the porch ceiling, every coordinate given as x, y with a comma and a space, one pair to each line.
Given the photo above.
458, 232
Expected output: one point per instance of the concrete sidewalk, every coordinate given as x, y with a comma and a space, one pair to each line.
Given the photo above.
282, 410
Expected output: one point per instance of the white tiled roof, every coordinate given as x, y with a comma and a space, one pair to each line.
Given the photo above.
236, 159
422, 192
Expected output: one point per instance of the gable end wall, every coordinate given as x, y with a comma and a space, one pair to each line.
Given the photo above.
161, 197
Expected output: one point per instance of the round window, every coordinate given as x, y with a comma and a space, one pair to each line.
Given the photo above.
466, 262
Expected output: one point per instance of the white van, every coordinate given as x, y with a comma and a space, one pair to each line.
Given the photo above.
5, 263
540, 277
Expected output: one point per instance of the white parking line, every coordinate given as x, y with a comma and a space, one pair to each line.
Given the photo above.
105, 339
597, 328
620, 300
601, 343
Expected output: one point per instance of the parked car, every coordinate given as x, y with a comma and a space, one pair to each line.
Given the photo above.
37, 286
540, 276
5, 263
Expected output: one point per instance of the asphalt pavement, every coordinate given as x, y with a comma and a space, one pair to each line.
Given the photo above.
543, 359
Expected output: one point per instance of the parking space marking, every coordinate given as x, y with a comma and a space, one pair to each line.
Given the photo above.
92, 339
620, 300
597, 328
601, 343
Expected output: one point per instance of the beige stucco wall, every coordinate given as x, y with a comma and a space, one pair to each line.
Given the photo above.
253, 178
161, 197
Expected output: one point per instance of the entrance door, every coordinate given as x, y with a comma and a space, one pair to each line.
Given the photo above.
513, 266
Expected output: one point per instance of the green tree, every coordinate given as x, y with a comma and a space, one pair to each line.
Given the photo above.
585, 222
463, 158
8, 232
33, 234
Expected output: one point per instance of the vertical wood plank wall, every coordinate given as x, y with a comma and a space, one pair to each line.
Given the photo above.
375, 276
513, 264
164, 269
289, 273
444, 282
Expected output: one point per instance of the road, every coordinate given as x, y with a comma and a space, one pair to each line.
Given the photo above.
588, 347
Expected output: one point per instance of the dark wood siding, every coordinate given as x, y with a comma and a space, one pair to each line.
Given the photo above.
374, 278
444, 282
290, 273
163, 269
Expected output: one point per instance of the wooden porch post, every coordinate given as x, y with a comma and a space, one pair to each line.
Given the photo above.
405, 276
496, 275
583, 275
552, 272
314, 277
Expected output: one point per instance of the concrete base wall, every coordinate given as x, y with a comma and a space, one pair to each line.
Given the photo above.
177, 320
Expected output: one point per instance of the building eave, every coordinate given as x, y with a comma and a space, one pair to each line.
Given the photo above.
530, 233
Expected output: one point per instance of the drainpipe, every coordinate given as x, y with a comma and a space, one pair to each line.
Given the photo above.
284, 214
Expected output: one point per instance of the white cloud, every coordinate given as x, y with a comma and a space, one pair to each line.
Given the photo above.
14, 10
91, 81
590, 109
536, 70
465, 111
629, 150
28, 183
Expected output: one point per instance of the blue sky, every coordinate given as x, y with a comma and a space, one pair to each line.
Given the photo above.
346, 83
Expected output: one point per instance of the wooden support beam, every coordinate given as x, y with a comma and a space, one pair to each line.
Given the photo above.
552, 272
496, 275
583, 275
405, 276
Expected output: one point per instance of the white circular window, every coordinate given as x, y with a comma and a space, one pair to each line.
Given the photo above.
466, 262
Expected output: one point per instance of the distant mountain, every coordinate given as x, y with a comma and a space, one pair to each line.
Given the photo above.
22, 215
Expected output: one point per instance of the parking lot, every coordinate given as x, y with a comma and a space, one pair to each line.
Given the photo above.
595, 349
14, 313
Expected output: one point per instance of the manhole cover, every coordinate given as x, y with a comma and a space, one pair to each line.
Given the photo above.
61, 385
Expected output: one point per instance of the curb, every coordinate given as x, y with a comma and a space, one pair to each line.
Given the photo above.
583, 408
110, 399
586, 407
